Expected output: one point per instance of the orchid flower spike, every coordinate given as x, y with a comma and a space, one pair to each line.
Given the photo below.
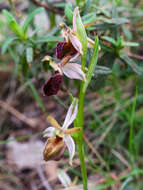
61, 136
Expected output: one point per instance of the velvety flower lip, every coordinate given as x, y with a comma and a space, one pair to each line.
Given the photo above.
53, 85
65, 48
63, 134
71, 37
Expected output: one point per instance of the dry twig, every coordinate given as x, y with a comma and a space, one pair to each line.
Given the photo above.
48, 7
17, 114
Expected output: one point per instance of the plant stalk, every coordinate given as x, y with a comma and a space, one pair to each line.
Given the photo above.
80, 123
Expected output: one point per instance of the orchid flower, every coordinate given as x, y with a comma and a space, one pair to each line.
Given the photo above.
59, 137
72, 44
71, 70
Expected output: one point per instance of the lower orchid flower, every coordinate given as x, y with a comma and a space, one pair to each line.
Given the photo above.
59, 137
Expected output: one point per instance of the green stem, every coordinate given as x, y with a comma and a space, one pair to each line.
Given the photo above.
80, 117
80, 122
82, 163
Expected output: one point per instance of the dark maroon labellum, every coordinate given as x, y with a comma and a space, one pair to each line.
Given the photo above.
65, 48
52, 86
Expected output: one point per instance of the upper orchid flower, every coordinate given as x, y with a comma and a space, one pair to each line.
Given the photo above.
72, 45
60, 137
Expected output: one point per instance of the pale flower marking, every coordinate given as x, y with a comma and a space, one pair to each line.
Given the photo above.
64, 132
71, 70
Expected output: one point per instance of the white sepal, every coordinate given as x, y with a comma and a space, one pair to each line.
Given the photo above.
49, 132
74, 71
71, 147
71, 114
75, 42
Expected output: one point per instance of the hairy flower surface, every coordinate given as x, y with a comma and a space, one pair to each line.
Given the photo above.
52, 86
64, 49
60, 137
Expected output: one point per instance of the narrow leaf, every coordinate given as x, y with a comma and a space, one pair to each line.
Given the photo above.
13, 24
9, 17
30, 18
36, 96
29, 54
89, 18
131, 44
102, 70
130, 62
68, 11
7, 43
92, 64
109, 39
43, 39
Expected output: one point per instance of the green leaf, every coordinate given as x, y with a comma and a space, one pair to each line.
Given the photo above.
36, 96
30, 18
127, 32
89, 18
101, 187
16, 29
92, 64
110, 39
69, 12
131, 44
119, 21
130, 62
81, 33
43, 39
9, 17
102, 70
7, 43
116, 21
120, 43
29, 54
101, 10
14, 25
24, 66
